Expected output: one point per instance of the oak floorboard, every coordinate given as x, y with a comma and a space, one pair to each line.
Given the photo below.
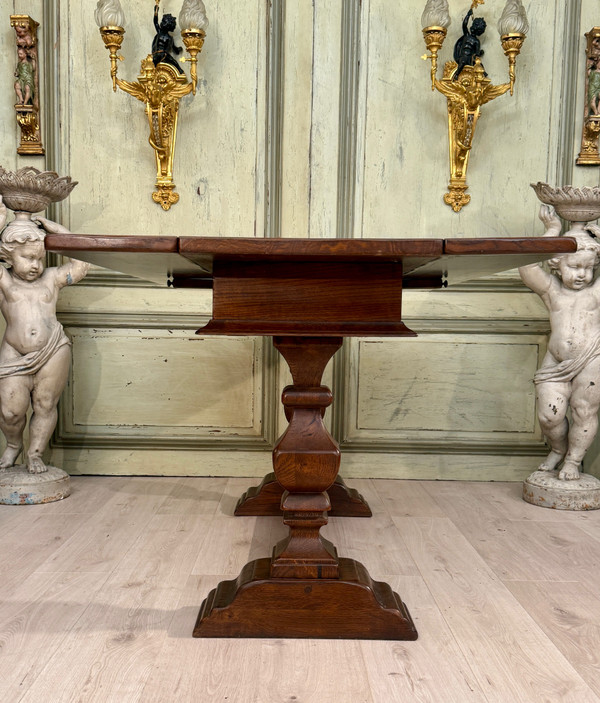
218, 669
98, 602
115, 528
407, 499
88, 495
430, 670
375, 542
190, 497
227, 545
569, 614
523, 550
127, 621
234, 489
502, 499
253, 670
34, 623
367, 488
315, 671
512, 658
22, 552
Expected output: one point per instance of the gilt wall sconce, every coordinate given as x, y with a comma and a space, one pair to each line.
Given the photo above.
162, 82
465, 83
27, 84
589, 156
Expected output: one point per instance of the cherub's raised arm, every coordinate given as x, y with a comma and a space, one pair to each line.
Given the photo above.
534, 277
551, 221
50, 226
71, 272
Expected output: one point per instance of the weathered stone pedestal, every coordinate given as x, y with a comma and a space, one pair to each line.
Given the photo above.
545, 489
19, 487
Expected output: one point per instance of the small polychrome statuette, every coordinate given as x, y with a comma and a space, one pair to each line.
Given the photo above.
589, 156
27, 84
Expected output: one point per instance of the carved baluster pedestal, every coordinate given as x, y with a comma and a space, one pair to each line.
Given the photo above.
305, 589
265, 499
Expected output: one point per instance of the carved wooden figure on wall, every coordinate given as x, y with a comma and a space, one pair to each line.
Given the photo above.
589, 156
27, 84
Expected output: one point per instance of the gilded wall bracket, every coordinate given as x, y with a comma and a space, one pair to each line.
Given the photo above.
465, 83
162, 82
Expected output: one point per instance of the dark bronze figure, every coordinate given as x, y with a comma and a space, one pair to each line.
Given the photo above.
468, 47
163, 45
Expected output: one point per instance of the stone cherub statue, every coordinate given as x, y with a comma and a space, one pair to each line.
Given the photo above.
570, 372
34, 353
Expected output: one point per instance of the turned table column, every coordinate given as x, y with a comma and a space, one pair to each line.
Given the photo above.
305, 589
306, 461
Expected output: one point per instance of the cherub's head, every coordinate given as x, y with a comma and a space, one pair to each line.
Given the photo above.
23, 251
168, 23
478, 26
576, 270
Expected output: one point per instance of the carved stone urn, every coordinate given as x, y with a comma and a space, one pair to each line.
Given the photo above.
28, 191
577, 205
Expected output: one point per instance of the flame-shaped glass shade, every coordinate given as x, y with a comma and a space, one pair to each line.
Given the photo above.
193, 15
436, 14
513, 19
109, 13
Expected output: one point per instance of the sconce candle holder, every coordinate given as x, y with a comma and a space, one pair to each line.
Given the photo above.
465, 83
161, 83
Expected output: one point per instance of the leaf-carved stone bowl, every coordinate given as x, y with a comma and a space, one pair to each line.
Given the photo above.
30, 190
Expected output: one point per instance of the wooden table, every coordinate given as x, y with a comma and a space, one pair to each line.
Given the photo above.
308, 295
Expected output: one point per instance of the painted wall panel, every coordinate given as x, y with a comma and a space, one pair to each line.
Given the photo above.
208, 379
435, 383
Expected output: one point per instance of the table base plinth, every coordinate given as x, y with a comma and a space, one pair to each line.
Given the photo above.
351, 607
265, 499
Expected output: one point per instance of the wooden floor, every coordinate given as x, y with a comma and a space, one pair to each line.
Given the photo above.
99, 594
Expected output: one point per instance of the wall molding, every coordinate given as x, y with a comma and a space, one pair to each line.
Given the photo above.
444, 446
274, 116
569, 61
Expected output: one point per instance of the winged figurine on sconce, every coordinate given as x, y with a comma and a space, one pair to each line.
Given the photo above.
465, 83
162, 82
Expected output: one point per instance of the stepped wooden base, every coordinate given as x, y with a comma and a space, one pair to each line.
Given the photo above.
265, 499
351, 607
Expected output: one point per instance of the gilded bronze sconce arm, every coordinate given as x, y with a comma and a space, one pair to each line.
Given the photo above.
464, 82
162, 82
